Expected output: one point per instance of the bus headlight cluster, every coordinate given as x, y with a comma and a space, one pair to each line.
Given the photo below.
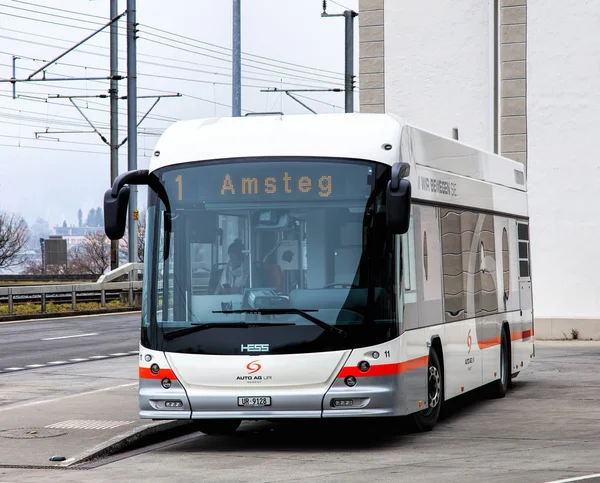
148, 357
154, 369
166, 383
364, 366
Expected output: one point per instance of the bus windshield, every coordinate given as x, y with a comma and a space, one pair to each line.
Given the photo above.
276, 256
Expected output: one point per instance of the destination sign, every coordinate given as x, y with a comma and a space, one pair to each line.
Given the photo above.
264, 181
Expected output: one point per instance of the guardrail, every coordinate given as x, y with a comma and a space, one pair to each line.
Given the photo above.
104, 284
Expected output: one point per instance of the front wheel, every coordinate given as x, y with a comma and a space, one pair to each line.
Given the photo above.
425, 420
217, 426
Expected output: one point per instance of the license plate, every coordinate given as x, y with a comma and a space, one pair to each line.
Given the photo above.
254, 402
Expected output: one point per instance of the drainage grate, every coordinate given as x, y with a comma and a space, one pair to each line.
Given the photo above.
88, 424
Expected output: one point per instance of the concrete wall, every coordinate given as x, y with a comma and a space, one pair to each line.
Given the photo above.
563, 71
438, 66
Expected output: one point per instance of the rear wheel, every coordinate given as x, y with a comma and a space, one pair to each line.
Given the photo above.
217, 426
500, 386
425, 420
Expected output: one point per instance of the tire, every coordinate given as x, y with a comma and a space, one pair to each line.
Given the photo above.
426, 419
500, 386
217, 426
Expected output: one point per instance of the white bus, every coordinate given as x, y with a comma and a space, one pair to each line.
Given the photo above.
326, 266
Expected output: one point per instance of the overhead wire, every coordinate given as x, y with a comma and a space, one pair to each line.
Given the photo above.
244, 64
243, 53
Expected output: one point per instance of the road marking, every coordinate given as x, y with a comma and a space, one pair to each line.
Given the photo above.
80, 359
71, 336
58, 362
577, 478
13, 368
97, 357
52, 319
35, 365
120, 354
88, 424
35, 403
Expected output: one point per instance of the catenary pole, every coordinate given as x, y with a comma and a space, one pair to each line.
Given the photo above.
114, 118
132, 124
349, 60
236, 88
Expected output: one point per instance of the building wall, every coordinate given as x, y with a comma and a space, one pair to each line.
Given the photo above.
371, 55
438, 71
513, 74
563, 119
435, 68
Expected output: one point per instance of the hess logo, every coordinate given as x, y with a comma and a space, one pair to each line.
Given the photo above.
253, 367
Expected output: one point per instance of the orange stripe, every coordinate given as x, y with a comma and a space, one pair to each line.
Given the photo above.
146, 373
526, 334
487, 343
385, 369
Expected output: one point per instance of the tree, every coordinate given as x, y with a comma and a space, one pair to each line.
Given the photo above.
141, 240
99, 217
91, 218
14, 235
92, 256
80, 218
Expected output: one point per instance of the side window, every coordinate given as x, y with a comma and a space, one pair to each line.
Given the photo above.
469, 265
485, 294
505, 264
452, 267
523, 235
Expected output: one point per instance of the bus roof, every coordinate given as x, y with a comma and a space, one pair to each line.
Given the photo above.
442, 170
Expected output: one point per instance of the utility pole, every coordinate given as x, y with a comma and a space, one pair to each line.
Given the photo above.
236, 83
132, 124
114, 118
349, 54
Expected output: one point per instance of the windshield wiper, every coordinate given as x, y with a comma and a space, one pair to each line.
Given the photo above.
198, 327
301, 312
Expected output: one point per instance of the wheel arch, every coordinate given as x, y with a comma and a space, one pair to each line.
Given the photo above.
435, 343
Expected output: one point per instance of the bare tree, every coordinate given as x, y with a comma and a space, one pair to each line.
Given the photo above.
92, 256
14, 235
141, 240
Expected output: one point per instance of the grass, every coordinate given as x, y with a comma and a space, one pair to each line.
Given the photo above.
32, 309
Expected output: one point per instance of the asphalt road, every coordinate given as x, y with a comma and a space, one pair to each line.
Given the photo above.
546, 429
31, 344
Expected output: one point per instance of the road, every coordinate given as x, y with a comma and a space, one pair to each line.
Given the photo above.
31, 344
546, 429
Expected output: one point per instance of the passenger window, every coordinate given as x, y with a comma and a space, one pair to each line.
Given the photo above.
523, 234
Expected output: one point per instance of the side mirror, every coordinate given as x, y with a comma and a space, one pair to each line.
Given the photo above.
115, 213
116, 200
398, 199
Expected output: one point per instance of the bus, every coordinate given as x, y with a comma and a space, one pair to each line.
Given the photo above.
326, 266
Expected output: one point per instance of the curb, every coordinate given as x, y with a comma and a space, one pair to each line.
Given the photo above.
124, 441
32, 317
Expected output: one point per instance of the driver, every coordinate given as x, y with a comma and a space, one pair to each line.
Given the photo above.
236, 273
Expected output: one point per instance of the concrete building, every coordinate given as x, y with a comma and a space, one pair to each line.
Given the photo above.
518, 77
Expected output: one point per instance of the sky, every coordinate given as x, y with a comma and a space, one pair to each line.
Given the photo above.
49, 173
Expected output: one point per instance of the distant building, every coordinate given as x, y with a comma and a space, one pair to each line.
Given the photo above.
75, 235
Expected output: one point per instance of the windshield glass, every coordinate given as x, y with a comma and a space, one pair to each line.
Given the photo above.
284, 255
